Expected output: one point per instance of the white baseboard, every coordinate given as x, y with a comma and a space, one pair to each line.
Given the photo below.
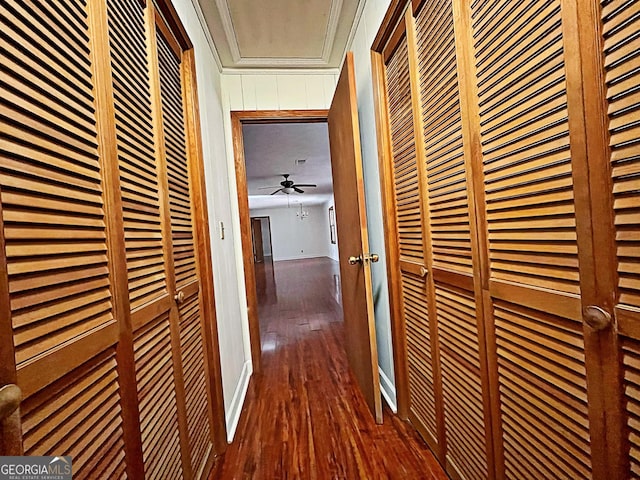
233, 416
297, 257
388, 390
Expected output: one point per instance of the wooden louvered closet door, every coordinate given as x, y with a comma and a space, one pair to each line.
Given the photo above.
409, 233
102, 326
57, 272
550, 403
148, 292
189, 339
531, 152
621, 47
453, 246
534, 277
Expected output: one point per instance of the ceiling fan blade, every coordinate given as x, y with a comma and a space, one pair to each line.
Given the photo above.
276, 191
268, 188
305, 185
298, 190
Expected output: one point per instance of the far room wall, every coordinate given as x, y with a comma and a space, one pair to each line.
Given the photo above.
293, 238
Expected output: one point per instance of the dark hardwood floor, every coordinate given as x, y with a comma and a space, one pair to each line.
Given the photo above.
304, 417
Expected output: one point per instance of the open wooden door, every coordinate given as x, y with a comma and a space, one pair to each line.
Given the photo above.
351, 222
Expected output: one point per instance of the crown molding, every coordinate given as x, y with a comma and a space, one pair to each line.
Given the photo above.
229, 30
207, 33
279, 71
354, 27
332, 28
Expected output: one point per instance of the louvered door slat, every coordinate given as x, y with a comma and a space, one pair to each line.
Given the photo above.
460, 357
539, 143
79, 415
138, 167
622, 54
156, 394
175, 143
451, 241
621, 30
192, 343
50, 177
535, 383
420, 362
631, 355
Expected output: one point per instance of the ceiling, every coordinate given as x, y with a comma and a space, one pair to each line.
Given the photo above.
274, 149
281, 33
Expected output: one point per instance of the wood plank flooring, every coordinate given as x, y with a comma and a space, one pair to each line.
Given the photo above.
304, 417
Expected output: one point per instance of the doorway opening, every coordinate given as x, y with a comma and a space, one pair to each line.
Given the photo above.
354, 257
261, 237
280, 239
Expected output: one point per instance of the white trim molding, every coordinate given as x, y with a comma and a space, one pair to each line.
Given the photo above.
233, 415
207, 33
388, 390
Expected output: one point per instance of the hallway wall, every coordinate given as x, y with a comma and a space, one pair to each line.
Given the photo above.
297, 90
313, 89
230, 297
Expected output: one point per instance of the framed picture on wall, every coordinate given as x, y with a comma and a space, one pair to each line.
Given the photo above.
332, 224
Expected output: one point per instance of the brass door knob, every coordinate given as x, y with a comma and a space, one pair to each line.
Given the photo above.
179, 297
353, 260
10, 396
596, 317
372, 257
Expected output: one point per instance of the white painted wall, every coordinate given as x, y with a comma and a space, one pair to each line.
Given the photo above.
230, 297
294, 239
366, 31
279, 91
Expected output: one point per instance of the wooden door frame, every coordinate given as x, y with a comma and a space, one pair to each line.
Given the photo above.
238, 119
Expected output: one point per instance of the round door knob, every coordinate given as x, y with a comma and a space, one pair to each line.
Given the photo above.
596, 317
179, 297
353, 260
374, 257
10, 396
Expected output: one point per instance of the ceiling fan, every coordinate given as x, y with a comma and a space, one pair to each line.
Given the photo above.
289, 186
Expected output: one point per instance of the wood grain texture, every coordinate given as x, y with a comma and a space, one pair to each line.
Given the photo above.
619, 42
593, 184
80, 415
353, 239
304, 416
105, 60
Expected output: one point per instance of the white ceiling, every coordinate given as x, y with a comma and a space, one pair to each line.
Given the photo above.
272, 149
281, 33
